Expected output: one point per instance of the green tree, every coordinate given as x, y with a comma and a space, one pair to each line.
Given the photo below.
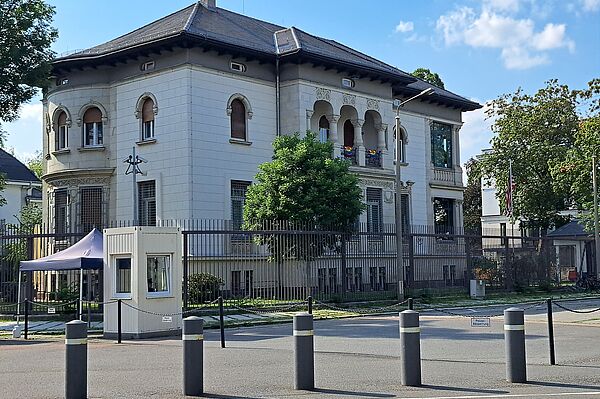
25, 38
472, 198
36, 164
428, 76
305, 188
535, 132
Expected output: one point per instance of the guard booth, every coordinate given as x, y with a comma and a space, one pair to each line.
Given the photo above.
143, 268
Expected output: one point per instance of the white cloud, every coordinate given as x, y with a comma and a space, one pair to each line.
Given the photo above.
502, 5
32, 111
475, 134
521, 46
405, 26
590, 5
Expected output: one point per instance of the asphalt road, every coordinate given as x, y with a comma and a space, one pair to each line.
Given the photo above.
355, 358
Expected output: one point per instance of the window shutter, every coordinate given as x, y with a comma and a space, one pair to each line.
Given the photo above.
148, 110
238, 120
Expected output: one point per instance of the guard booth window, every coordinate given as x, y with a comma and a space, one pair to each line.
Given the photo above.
122, 277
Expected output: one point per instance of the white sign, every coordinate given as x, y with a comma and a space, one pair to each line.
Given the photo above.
167, 319
51, 310
480, 322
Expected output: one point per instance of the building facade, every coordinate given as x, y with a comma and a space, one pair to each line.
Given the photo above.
21, 188
202, 93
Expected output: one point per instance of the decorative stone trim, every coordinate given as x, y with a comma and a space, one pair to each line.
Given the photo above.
144, 142
372, 104
238, 141
243, 99
322, 93
140, 103
349, 99
61, 151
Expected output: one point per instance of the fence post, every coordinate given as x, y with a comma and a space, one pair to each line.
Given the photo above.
410, 347
76, 360
551, 332
410, 274
514, 338
508, 272
119, 324
304, 355
343, 271
26, 323
193, 356
310, 304
221, 322
185, 271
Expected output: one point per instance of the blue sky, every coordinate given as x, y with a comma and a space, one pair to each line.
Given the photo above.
480, 48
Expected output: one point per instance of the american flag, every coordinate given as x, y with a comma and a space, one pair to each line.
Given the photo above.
510, 189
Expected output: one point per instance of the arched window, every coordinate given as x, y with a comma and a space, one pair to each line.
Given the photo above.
348, 134
92, 128
148, 119
62, 132
238, 120
323, 129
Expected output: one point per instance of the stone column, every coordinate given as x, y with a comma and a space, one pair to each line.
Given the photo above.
358, 141
458, 216
456, 152
381, 143
309, 114
333, 135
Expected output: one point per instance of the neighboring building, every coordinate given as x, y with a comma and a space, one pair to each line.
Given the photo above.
203, 92
21, 188
574, 251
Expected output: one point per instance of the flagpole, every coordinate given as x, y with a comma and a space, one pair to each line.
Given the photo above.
512, 222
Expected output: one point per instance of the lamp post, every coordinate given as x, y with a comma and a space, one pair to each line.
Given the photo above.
398, 213
596, 223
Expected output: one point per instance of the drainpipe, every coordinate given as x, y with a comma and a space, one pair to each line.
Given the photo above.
277, 99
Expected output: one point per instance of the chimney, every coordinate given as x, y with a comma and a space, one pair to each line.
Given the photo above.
209, 3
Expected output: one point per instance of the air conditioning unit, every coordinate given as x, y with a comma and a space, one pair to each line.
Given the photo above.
477, 289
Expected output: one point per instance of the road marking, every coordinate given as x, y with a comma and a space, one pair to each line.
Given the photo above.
525, 395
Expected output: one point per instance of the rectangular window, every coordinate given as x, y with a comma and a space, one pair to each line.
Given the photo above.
158, 274
504, 239
61, 211
248, 282
61, 142
374, 211
441, 145
323, 135
93, 134
332, 280
90, 203
147, 203
148, 130
566, 256
122, 276
382, 278
236, 282
238, 198
443, 215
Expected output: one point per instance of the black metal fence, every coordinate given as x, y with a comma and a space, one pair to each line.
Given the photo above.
288, 262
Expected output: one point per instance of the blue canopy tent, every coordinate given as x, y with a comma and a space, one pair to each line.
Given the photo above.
85, 254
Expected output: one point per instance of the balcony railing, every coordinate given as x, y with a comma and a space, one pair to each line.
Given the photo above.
373, 159
447, 176
350, 153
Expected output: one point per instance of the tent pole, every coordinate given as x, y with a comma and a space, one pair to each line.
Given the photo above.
89, 296
19, 297
80, 294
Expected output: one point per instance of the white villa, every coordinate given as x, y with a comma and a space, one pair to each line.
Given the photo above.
202, 93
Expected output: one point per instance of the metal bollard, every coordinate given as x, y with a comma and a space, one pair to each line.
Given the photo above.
76, 360
310, 304
193, 356
410, 346
410, 304
514, 338
221, 322
551, 332
304, 352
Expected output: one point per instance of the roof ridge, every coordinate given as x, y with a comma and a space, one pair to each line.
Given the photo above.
254, 20
191, 17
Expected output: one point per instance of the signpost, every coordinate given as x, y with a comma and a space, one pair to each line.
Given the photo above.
481, 322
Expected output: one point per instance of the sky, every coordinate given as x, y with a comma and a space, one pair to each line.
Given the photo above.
480, 48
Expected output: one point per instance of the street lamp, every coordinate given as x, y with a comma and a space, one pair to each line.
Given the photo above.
398, 213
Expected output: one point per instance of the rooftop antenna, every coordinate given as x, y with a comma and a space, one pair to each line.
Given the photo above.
133, 161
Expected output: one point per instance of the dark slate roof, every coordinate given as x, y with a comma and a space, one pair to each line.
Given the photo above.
14, 170
571, 229
221, 28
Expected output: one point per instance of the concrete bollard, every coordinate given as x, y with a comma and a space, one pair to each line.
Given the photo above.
193, 356
304, 352
410, 344
514, 339
76, 360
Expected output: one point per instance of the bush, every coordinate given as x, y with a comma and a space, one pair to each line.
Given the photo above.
204, 287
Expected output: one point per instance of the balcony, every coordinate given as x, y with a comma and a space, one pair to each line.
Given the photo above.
373, 159
350, 153
447, 177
